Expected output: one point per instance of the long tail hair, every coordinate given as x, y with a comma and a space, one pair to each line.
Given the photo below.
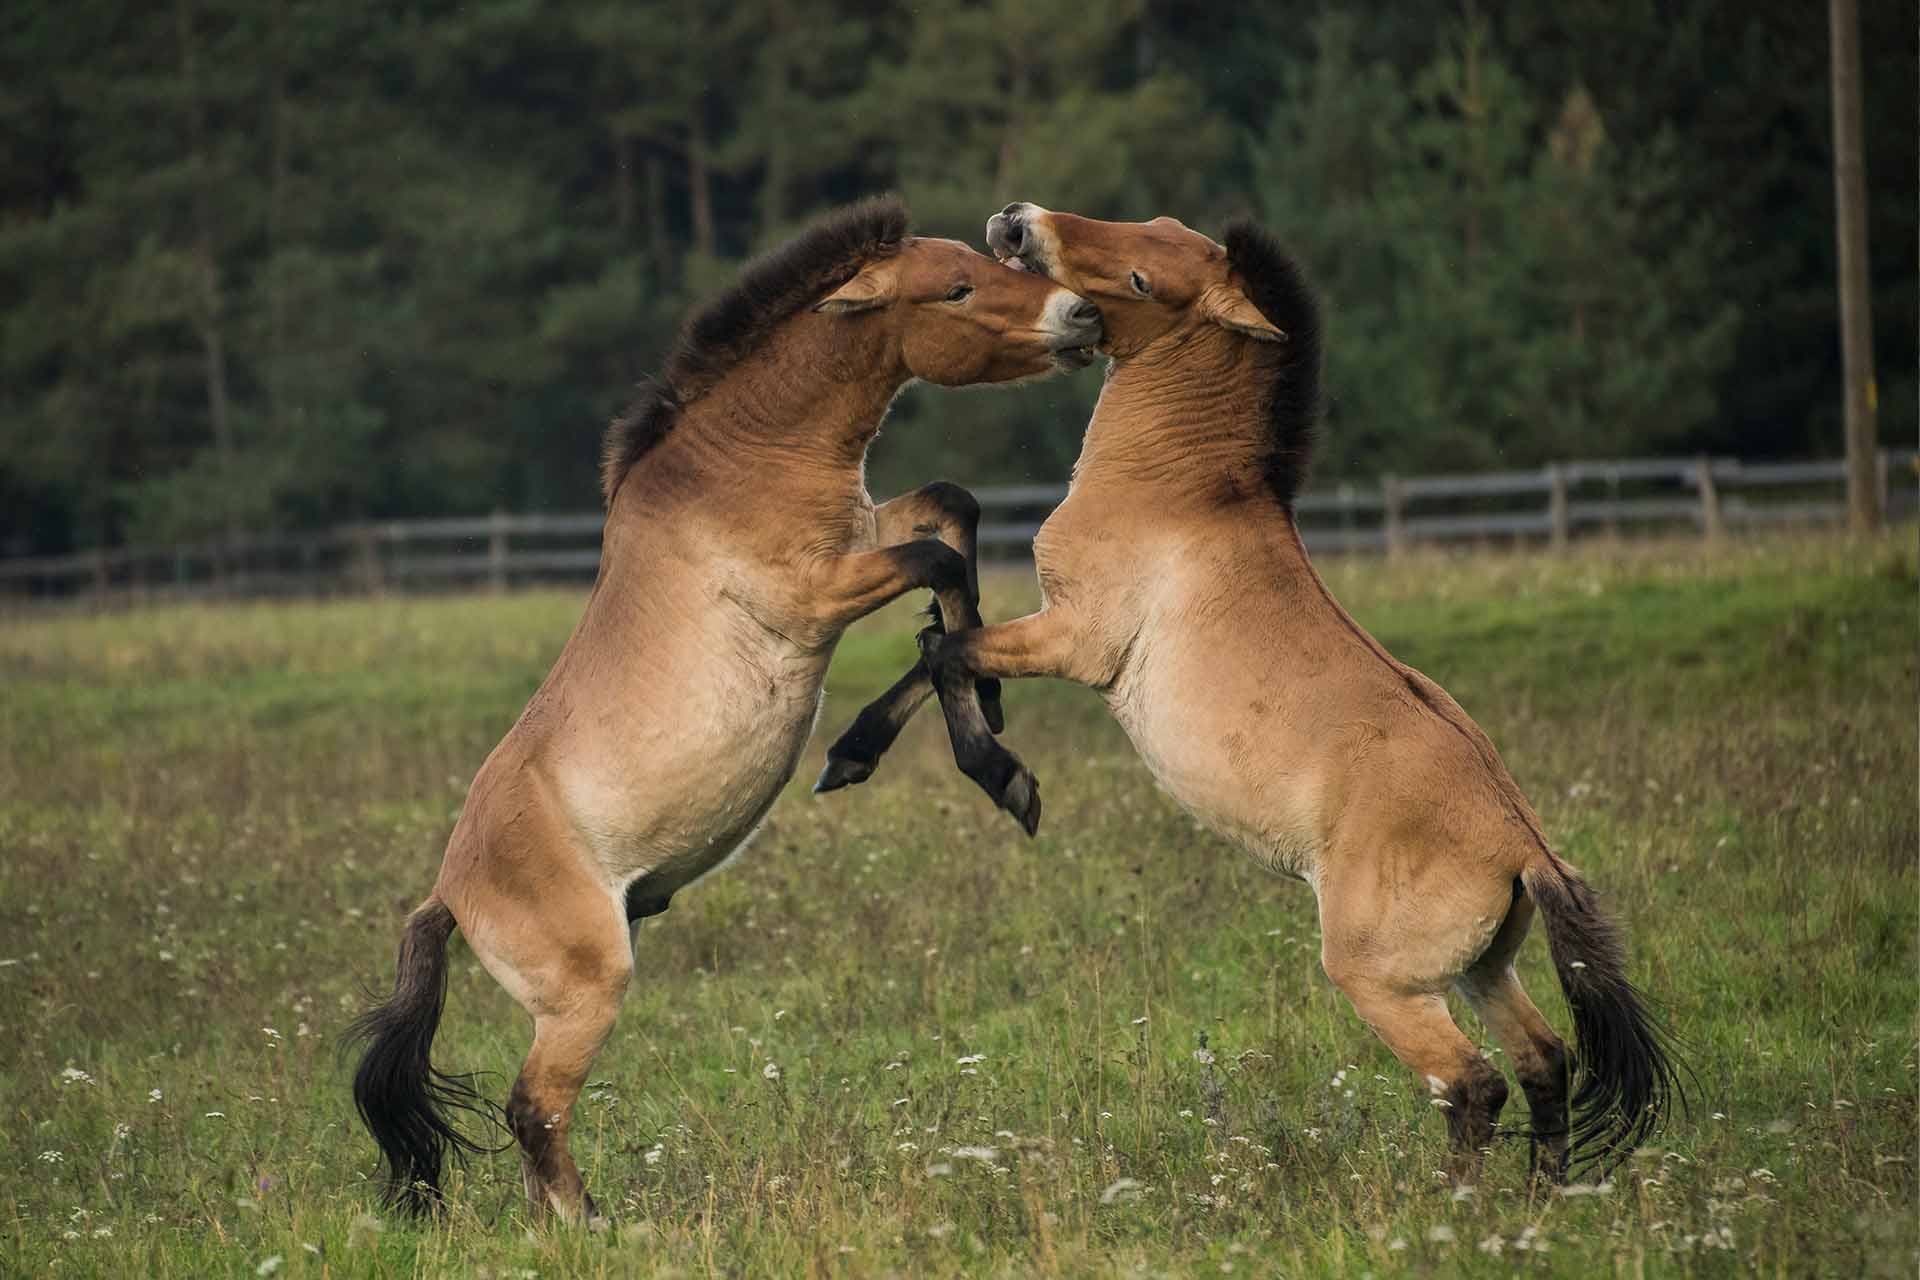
1629, 1073
405, 1102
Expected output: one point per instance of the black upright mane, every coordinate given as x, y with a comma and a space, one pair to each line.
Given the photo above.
728, 329
1275, 284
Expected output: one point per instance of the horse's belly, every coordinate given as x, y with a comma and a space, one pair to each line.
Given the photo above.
672, 799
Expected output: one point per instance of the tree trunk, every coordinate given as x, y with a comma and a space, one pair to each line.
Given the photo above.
212, 340
777, 49
657, 247
1007, 167
623, 193
276, 225
1474, 107
1850, 229
700, 182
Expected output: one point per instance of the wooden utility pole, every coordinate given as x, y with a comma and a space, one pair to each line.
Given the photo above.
1850, 230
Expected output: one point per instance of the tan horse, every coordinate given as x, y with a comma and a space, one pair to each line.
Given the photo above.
740, 542
1175, 583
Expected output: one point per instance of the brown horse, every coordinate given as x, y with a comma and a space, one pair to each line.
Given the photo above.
740, 542
1271, 714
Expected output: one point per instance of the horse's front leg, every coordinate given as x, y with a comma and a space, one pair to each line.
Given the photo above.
1049, 643
845, 588
949, 513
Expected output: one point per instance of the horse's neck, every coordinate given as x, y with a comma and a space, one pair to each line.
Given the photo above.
1183, 424
788, 427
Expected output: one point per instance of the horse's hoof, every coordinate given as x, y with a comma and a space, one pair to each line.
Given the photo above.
1022, 799
842, 772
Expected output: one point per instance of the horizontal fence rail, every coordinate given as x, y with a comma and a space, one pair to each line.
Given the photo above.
1707, 497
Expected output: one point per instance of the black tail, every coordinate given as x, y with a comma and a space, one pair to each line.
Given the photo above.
403, 1100
1629, 1072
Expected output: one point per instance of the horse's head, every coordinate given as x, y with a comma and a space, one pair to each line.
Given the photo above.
1152, 281
956, 316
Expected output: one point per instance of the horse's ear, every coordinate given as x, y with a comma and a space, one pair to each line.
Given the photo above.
1231, 309
874, 287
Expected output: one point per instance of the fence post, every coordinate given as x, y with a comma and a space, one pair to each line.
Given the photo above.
497, 550
1883, 478
1557, 514
1395, 514
1710, 525
366, 557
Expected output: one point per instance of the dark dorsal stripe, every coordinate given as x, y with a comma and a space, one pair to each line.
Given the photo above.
728, 329
1275, 283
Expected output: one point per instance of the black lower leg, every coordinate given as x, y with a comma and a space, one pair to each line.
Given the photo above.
855, 755
534, 1131
996, 770
1473, 1105
1547, 1087
988, 687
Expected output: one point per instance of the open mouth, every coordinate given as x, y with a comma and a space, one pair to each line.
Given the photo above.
1073, 357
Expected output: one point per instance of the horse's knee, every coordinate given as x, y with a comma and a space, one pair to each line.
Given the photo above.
952, 500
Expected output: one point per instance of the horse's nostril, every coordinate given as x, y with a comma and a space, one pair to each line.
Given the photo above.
1085, 312
1014, 235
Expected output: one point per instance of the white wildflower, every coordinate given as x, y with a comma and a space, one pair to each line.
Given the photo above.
771, 1071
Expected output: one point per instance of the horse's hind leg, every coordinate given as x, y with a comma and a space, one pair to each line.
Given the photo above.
1422, 1034
1539, 1056
1390, 961
566, 956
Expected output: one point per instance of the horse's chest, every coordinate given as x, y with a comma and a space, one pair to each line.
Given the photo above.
1076, 551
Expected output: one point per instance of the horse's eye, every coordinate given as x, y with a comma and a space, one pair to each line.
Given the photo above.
1140, 285
960, 293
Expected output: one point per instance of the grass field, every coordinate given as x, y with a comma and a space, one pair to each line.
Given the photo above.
899, 1039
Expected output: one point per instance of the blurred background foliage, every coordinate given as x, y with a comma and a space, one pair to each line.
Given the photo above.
270, 264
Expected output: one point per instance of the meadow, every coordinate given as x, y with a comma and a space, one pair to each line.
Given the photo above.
898, 1038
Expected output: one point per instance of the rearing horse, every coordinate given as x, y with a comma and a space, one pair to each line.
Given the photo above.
1260, 703
740, 542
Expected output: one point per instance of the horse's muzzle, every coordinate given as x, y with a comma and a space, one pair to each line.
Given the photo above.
1007, 231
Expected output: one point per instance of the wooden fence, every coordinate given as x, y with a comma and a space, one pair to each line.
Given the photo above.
1552, 505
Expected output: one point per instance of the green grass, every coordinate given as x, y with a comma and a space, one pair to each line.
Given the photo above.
213, 820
